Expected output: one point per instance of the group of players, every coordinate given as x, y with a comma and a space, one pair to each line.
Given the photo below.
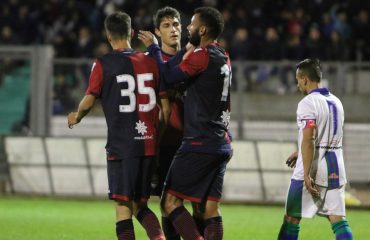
168, 112
192, 130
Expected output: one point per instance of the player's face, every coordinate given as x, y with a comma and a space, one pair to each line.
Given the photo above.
194, 29
301, 82
170, 31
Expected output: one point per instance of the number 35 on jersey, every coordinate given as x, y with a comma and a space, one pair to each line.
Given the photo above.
141, 89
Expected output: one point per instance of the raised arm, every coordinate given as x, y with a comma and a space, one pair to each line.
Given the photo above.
170, 70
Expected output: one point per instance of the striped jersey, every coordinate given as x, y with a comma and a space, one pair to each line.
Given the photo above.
322, 110
127, 84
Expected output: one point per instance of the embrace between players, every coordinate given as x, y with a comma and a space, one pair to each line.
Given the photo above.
194, 133
168, 110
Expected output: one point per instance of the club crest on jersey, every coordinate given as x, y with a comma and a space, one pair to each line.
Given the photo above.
333, 176
225, 117
142, 130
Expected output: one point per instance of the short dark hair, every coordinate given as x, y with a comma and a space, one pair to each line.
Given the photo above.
213, 20
311, 68
165, 12
118, 24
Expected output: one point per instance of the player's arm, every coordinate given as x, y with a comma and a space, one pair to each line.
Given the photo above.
308, 151
170, 70
84, 108
292, 160
195, 62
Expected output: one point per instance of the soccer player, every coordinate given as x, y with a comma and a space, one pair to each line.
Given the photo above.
317, 184
198, 168
167, 23
127, 84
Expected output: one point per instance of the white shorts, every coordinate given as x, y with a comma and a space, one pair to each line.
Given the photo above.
300, 202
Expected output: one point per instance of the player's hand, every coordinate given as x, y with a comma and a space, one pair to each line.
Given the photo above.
189, 49
189, 46
147, 38
311, 186
72, 119
292, 160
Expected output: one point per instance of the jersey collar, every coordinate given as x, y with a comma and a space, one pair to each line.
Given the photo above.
322, 91
125, 50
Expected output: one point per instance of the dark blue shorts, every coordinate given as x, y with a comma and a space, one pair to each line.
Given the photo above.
197, 177
166, 155
129, 179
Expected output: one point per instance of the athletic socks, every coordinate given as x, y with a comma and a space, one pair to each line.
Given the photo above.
288, 231
200, 224
214, 229
151, 224
169, 230
342, 230
184, 224
125, 230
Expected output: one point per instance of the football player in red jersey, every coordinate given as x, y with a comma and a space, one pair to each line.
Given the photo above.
127, 84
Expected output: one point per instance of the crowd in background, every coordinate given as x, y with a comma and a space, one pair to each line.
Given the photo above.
336, 30
261, 30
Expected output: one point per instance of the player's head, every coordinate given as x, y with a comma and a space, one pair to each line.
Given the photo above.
118, 26
167, 23
308, 71
207, 22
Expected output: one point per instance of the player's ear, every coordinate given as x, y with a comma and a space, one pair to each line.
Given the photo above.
202, 31
157, 32
109, 37
132, 33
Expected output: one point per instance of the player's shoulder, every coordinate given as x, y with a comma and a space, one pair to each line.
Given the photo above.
306, 102
198, 54
200, 51
142, 57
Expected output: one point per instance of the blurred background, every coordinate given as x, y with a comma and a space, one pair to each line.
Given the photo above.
46, 53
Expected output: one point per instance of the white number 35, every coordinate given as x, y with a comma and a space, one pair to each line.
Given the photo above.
141, 89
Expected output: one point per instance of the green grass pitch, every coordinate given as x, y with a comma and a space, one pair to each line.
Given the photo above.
57, 219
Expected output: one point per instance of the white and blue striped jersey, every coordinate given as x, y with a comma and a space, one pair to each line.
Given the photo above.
324, 111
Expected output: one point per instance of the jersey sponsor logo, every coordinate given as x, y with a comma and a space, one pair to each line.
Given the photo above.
141, 129
329, 147
226, 117
333, 176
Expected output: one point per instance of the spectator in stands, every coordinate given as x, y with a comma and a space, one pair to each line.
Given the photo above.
314, 46
361, 30
336, 49
242, 48
293, 51
7, 36
62, 100
271, 49
326, 25
340, 21
85, 43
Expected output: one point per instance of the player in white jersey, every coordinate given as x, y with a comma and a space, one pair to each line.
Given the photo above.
317, 184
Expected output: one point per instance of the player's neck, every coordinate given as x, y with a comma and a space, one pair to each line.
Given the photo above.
120, 44
205, 42
170, 50
312, 86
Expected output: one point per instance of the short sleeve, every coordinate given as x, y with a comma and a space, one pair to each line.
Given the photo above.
95, 80
306, 114
196, 62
